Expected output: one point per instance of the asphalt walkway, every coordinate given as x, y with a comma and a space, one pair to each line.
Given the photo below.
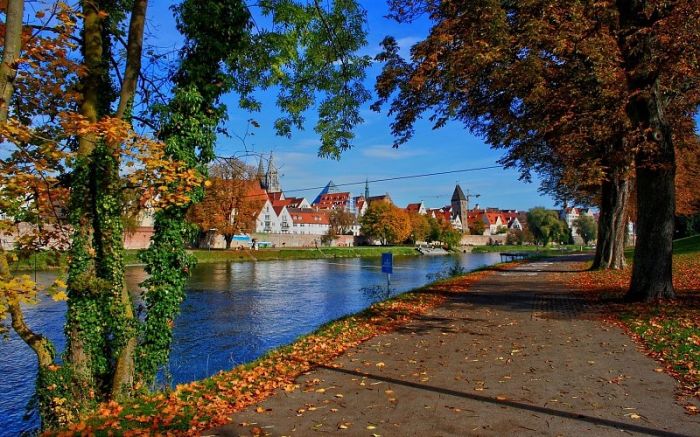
517, 355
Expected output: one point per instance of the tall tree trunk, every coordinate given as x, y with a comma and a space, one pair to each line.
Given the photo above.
612, 224
228, 238
124, 370
13, 43
82, 267
652, 273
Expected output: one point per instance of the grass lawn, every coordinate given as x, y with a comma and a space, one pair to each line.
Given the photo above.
57, 260
669, 330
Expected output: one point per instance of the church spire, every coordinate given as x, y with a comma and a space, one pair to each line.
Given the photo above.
272, 179
260, 176
367, 190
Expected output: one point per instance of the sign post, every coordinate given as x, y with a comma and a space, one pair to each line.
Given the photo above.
387, 267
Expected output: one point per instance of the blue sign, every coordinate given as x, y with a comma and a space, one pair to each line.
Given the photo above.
387, 263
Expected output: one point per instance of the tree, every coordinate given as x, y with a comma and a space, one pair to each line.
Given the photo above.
451, 237
70, 125
420, 227
340, 222
517, 236
14, 14
477, 227
230, 204
546, 226
386, 223
307, 51
585, 87
586, 227
526, 94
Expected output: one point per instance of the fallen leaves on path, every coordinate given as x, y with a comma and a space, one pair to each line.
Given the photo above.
208, 403
668, 330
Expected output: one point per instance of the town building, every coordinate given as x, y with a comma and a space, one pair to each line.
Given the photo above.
417, 208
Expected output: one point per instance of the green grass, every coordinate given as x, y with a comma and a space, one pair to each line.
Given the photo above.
687, 245
206, 256
56, 260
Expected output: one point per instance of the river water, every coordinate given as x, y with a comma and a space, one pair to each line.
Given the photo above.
233, 313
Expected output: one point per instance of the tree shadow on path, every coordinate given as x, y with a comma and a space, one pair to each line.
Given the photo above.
508, 403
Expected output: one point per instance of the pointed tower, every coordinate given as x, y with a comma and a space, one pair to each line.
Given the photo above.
260, 175
460, 207
329, 188
366, 190
272, 179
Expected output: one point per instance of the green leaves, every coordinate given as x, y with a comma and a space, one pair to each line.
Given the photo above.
310, 56
546, 226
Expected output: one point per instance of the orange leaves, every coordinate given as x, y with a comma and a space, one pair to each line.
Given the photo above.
196, 406
669, 331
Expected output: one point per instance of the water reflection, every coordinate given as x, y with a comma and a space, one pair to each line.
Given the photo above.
233, 313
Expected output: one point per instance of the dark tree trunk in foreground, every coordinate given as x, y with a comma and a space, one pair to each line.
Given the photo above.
652, 276
229, 239
612, 224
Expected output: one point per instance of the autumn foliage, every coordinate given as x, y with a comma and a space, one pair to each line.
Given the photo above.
232, 200
194, 407
386, 223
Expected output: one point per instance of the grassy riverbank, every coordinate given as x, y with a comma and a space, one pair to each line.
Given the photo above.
213, 256
58, 260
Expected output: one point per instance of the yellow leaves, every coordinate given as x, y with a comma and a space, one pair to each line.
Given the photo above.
60, 296
18, 289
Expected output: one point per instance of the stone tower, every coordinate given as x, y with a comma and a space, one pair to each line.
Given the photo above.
260, 175
460, 208
272, 179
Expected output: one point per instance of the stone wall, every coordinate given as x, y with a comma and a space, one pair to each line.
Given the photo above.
279, 240
139, 239
301, 240
482, 240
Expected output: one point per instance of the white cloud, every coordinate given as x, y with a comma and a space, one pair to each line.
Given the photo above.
405, 45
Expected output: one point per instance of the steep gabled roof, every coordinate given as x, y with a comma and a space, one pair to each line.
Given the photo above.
413, 207
329, 188
458, 194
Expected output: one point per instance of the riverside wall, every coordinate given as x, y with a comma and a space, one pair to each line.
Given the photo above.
280, 240
482, 240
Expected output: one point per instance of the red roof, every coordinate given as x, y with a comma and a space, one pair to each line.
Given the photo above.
413, 207
308, 216
294, 201
333, 200
274, 196
493, 217
254, 192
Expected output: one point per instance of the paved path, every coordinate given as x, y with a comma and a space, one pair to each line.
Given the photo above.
517, 355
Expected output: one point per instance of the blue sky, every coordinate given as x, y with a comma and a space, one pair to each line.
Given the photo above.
373, 157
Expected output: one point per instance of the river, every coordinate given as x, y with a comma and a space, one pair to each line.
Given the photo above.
233, 313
